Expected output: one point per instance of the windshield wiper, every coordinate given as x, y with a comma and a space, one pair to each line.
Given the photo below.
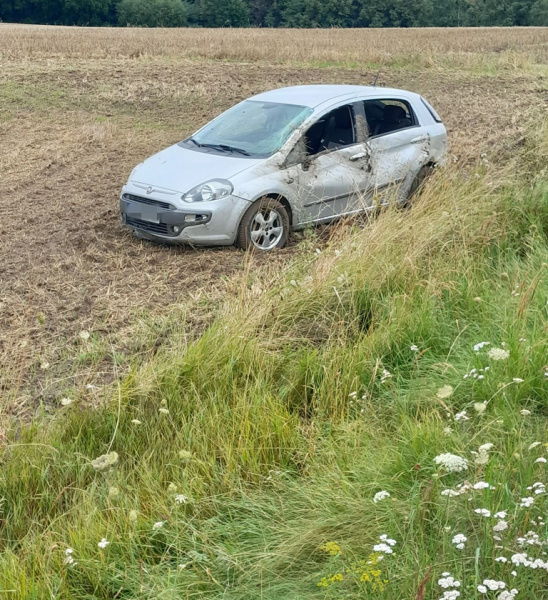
222, 147
234, 149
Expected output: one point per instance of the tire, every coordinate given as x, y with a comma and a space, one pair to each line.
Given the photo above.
418, 182
264, 226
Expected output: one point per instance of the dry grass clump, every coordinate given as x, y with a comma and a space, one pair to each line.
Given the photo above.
507, 47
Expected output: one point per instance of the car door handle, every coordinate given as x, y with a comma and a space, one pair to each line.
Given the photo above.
356, 157
419, 139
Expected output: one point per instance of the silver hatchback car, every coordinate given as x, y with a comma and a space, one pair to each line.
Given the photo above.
283, 160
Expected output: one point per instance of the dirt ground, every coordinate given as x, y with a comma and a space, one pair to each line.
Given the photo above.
71, 130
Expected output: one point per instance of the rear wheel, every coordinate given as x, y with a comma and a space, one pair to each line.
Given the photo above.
264, 226
418, 182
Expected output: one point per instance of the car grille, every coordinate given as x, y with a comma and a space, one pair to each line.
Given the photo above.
142, 200
160, 228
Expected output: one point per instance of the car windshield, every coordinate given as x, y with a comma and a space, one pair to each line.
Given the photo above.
253, 128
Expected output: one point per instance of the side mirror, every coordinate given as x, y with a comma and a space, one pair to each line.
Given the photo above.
297, 155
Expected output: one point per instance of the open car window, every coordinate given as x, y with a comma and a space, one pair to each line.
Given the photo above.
332, 131
387, 116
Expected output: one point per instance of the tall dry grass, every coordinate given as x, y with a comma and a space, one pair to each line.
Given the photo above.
386, 46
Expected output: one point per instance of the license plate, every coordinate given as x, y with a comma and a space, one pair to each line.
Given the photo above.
145, 212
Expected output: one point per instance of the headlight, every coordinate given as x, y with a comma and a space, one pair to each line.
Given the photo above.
209, 191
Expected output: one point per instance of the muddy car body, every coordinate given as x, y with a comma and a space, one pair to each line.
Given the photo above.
283, 160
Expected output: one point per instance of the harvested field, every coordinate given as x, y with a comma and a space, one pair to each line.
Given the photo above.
79, 108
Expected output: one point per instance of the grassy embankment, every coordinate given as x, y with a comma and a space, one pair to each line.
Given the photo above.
316, 388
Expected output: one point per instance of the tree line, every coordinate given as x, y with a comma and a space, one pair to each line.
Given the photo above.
277, 13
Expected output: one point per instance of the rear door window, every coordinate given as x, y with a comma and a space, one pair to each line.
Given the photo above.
387, 116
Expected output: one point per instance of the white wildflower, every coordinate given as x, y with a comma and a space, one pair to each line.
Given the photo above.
384, 538
459, 541
181, 499
105, 461
520, 559
480, 407
158, 525
450, 595
445, 392
517, 380
500, 515
44, 365
164, 411
447, 430
534, 445
498, 354
383, 548
525, 412
508, 594
480, 345
385, 375
352, 394
414, 348
451, 462
136, 421
540, 459
483, 512
493, 584
501, 559
450, 492
461, 416
448, 582
66, 401
500, 526
103, 543
481, 485
527, 502
84, 335
380, 496
514, 573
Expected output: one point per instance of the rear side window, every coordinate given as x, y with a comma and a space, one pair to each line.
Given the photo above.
434, 114
386, 116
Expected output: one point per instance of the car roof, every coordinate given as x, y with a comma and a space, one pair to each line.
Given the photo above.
315, 95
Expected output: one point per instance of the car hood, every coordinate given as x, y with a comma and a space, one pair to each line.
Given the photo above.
179, 169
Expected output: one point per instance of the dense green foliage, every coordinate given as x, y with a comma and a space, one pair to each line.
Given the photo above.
278, 13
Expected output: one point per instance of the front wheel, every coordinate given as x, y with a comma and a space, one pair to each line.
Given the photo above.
264, 226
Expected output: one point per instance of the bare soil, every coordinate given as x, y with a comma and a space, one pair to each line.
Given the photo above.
71, 130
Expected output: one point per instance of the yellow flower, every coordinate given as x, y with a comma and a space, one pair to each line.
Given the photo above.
331, 548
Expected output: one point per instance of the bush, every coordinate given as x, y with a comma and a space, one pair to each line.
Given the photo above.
152, 13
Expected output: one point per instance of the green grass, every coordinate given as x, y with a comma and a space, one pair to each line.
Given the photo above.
275, 454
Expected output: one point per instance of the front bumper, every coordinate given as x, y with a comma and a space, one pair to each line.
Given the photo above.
201, 224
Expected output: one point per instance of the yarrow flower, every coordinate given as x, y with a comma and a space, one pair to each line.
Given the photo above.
450, 492
494, 585
525, 412
498, 354
105, 461
66, 401
414, 348
508, 594
450, 595
158, 525
103, 543
381, 496
383, 548
483, 512
451, 462
501, 559
462, 416
448, 581
540, 459
385, 375
445, 392
500, 526
481, 485
459, 541
181, 499
69, 559
527, 502
480, 345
